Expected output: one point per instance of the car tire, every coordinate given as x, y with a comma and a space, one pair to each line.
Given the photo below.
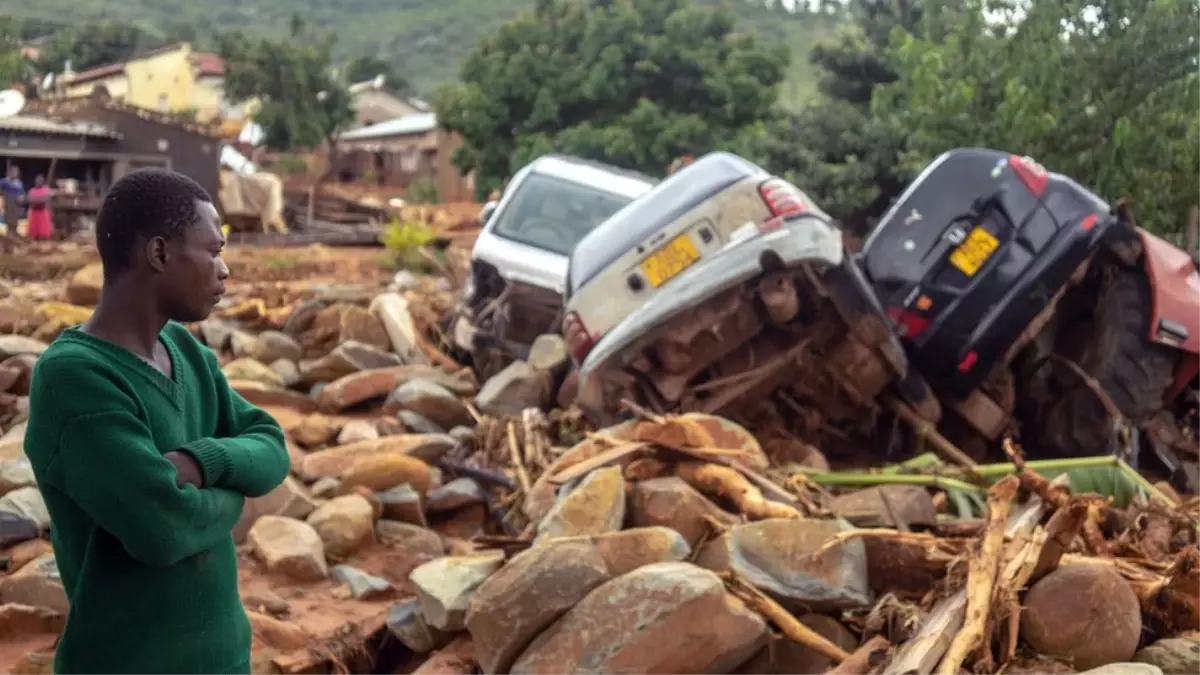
1134, 372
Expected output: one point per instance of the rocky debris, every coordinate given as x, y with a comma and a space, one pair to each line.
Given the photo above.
417, 424
1174, 656
412, 538
355, 431
287, 371
457, 494
36, 584
786, 656
15, 474
345, 524
402, 503
316, 430
273, 345
362, 585
360, 325
289, 500
1124, 669
17, 620
15, 529
444, 587
429, 400
381, 472
671, 502
877, 506
1085, 614
15, 345
392, 309
251, 370
290, 547
346, 359
337, 460
777, 556
517, 387
662, 618
277, 634
27, 502
595, 506
85, 285
404, 620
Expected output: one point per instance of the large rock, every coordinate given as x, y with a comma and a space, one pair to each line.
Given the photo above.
14, 474
549, 353
379, 382
287, 371
12, 345
361, 325
337, 460
417, 424
403, 504
1130, 668
289, 500
268, 396
345, 524
12, 443
251, 370
316, 430
362, 586
785, 656
404, 620
627, 550
217, 333
85, 285
776, 556
392, 310
444, 586
27, 502
15, 529
409, 537
429, 400
457, 494
289, 547
663, 618
357, 430
272, 345
874, 507
37, 584
277, 634
671, 502
1175, 656
594, 506
347, 358
1085, 614
517, 387
18, 621
529, 593
382, 472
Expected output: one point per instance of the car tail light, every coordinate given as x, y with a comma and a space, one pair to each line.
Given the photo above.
968, 362
782, 198
908, 324
579, 343
1032, 174
770, 224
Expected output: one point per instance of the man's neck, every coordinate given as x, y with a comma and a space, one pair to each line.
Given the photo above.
126, 317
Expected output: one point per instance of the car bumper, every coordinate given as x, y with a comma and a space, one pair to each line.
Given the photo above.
805, 241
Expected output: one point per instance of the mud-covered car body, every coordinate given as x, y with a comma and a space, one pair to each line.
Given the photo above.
769, 303
519, 262
1008, 283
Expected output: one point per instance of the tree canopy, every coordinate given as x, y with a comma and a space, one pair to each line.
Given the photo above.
301, 104
635, 83
367, 66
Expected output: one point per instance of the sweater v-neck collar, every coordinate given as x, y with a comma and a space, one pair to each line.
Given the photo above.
171, 387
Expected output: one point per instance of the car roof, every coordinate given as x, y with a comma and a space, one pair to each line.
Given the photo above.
595, 174
666, 202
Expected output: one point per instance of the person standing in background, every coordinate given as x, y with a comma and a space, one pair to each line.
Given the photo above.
41, 225
14, 191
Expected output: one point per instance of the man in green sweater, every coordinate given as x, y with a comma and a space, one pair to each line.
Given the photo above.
143, 452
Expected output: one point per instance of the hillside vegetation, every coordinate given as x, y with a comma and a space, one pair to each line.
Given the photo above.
425, 38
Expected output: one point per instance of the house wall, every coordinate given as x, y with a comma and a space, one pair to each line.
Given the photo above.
400, 161
373, 106
117, 86
162, 81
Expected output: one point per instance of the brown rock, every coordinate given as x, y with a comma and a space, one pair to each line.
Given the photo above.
382, 472
289, 500
37, 584
21, 366
594, 506
429, 400
264, 395
316, 430
627, 550
272, 345
392, 310
62, 313
404, 620
335, 461
512, 390
870, 507
26, 552
444, 587
18, 620
35, 663
402, 503
348, 357
776, 556
529, 593
671, 502
266, 601
360, 325
1085, 614
85, 285
785, 657
378, 383
290, 547
457, 658
252, 371
456, 494
409, 537
278, 634
345, 524
357, 430
662, 618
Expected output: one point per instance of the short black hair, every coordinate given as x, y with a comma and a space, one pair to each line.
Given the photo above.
142, 204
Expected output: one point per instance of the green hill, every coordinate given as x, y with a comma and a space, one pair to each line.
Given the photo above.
427, 38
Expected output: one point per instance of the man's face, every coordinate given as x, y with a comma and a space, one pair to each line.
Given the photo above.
194, 275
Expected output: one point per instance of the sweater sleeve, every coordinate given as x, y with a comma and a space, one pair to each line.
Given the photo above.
108, 464
248, 454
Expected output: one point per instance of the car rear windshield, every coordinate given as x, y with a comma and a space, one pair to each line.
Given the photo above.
553, 213
654, 210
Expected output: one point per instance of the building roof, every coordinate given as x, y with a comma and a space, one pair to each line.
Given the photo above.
40, 125
98, 73
206, 63
407, 125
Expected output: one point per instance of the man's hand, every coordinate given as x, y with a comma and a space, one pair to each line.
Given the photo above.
187, 469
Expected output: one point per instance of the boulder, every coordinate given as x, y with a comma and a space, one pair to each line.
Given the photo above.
392, 310
1175, 656
512, 390
14, 474
13, 345
37, 584
85, 285
403, 504
409, 537
27, 502
15, 529
362, 586
357, 430
316, 430
534, 589
347, 358
360, 325
382, 472
1086, 614
671, 502
272, 345
1124, 669
662, 618
417, 424
251, 370
217, 333
289, 547
776, 556
17, 621
785, 656
337, 460
241, 344
454, 495
429, 400
345, 524
444, 587
377, 383
873, 507
595, 505
627, 550
405, 622
287, 371
267, 396
289, 500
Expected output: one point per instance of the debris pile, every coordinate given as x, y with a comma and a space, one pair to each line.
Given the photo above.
436, 524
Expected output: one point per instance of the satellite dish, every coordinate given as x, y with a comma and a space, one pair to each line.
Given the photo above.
47, 81
11, 102
377, 83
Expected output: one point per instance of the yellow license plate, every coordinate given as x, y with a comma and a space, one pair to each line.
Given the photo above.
972, 253
668, 261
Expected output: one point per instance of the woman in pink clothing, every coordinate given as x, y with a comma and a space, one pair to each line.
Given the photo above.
41, 226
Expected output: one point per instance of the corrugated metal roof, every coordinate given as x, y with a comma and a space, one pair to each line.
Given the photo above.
41, 125
401, 126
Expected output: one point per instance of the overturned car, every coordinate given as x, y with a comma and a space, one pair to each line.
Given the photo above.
726, 290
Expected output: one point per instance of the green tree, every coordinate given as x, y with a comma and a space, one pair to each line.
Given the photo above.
95, 43
301, 104
367, 66
13, 67
835, 149
631, 82
1105, 91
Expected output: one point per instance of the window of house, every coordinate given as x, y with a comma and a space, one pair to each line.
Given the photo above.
163, 104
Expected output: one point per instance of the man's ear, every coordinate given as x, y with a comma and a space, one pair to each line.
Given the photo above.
156, 253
